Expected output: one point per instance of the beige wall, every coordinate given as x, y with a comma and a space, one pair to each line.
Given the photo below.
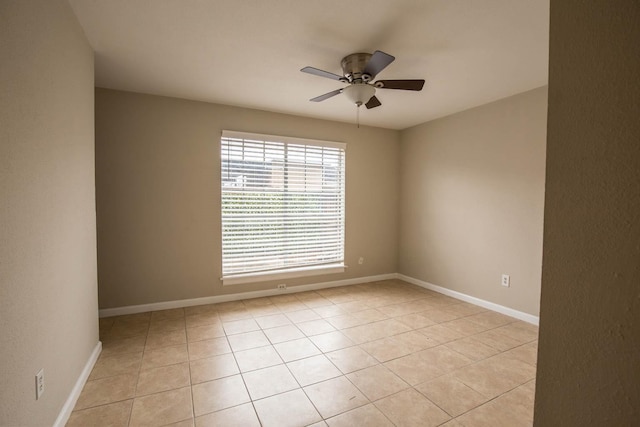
158, 195
589, 349
472, 191
48, 292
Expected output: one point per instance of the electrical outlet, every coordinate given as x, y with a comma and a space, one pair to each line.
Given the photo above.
506, 280
361, 260
282, 286
39, 384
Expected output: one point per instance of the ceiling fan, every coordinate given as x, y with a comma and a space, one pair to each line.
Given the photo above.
359, 69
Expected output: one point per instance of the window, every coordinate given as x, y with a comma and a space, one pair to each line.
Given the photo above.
282, 207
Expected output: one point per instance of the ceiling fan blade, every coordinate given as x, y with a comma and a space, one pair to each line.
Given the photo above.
373, 103
321, 73
326, 95
400, 84
378, 62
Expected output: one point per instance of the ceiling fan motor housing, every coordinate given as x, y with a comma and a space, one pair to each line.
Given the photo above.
353, 67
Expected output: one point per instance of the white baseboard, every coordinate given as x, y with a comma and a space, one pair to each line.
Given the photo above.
133, 309
66, 410
526, 317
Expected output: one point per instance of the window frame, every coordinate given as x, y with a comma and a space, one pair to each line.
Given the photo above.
291, 271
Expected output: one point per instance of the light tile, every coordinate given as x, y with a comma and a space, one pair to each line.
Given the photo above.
107, 390
164, 356
331, 341
451, 394
125, 363
273, 321
386, 349
465, 327
269, 381
255, 303
441, 334
114, 414
240, 326
376, 330
410, 408
329, 311
234, 314
162, 408
219, 394
351, 359
208, 348
413, 369
494, 376
315, 327
172, 313
377, 382
335, 396
239, 416
439, 316
302, 316
496, 340
371, 315
186, 423
212, 368
205, 332
125, 330
472, 348
200, 309
299, 412
200, 319
367, 415
248, 340
527, 353
163, 379
424, 339
166, 339
519, 331
494, 413
111, 347
167, 325
345, 321
490, 319
283, 333
257, 358
415, 320
464, 309
296, 349
313, 369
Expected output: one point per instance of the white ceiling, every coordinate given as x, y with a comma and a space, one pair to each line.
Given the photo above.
249, 52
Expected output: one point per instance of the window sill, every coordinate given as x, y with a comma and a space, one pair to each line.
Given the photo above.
289, 273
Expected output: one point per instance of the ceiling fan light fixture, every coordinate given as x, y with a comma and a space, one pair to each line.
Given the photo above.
359, 93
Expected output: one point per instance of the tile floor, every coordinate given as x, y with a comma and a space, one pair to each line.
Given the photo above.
378, 354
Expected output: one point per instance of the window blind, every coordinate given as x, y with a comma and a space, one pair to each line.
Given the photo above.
282, 204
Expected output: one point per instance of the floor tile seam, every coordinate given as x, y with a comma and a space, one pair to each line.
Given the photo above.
162, 391
489, 399
402, 391
303, 390
104, 404
484, 395
511, 348
193, 410
444, 410
339, 413
164, 331
244, 383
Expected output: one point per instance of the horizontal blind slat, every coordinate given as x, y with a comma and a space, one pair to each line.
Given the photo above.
282, 203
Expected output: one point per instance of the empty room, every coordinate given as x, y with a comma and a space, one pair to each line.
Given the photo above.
279, 213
